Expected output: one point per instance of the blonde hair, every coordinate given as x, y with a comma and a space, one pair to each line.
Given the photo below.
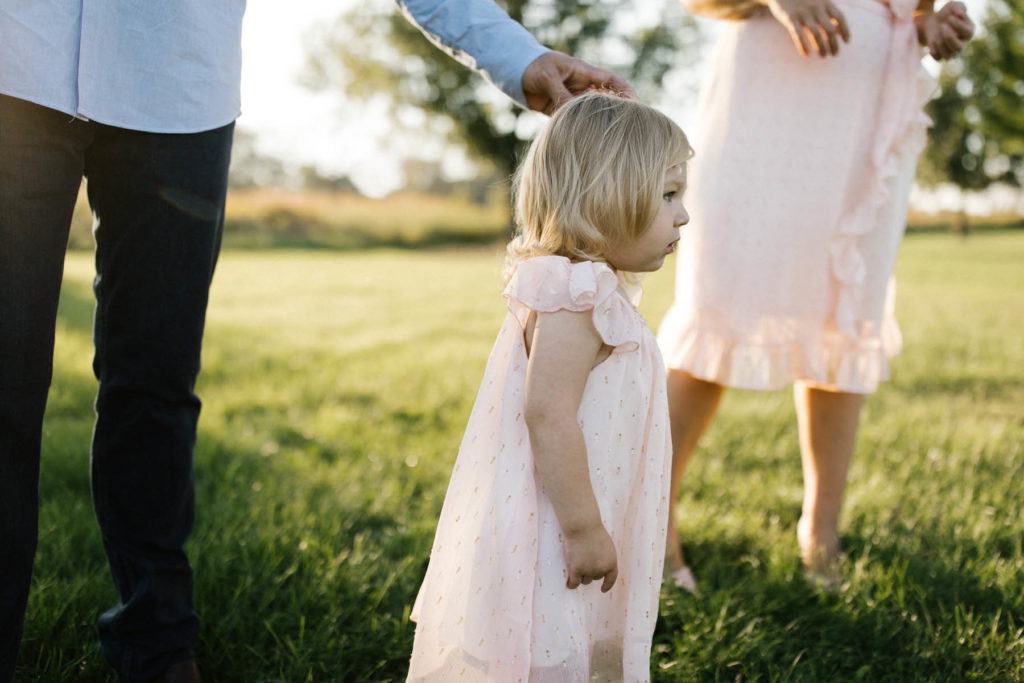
592, 178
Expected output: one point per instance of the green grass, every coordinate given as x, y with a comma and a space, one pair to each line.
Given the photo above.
336, 386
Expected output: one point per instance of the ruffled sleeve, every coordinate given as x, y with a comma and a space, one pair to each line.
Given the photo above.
553, 283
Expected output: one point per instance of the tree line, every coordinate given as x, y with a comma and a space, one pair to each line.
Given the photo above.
370, 52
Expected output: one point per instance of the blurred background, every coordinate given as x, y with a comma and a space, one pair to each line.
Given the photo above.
346, 105
348, 96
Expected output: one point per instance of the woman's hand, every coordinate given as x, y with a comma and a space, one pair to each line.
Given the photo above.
589, 556
812, 24
945, 32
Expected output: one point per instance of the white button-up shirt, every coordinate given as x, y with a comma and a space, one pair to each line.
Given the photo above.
174, 66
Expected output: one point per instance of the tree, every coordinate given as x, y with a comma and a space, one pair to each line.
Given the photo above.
977, 139
250, 167
373, 54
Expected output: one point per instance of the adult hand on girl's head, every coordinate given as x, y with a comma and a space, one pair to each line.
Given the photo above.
554, 78
589, 556
945, 32
812, 24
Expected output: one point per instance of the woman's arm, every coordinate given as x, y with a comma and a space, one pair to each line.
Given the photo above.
564, 348
732, 10
813, 25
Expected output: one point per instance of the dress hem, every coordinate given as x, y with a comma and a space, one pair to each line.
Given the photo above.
828, 359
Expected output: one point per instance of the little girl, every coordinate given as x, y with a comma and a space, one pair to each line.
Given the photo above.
548, 557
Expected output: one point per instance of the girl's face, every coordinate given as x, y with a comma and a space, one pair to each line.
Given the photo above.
647, 252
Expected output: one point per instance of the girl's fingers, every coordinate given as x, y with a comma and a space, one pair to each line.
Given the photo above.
609, 580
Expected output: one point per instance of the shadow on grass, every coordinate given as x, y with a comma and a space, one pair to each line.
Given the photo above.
908, 617
71, 582
302, 578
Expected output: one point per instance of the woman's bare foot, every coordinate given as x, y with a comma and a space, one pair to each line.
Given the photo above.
818, 551
820, 554
676, 569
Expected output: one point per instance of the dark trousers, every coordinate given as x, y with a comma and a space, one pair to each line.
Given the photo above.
158, 203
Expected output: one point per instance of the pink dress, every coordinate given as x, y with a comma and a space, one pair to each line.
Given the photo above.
493, 605
798, 199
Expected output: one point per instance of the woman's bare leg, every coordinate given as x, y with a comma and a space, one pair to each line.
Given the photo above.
828, 432
692, 404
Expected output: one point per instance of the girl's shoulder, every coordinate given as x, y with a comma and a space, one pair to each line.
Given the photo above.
552, 283
545, 284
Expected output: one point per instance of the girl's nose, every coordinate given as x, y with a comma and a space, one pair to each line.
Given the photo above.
683, 218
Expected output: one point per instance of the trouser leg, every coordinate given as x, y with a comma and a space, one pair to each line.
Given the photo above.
40, 173
158, 201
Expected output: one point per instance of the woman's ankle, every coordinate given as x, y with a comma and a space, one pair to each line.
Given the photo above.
819, 547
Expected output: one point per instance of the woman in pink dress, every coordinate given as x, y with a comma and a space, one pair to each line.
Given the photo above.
547, 562
799, 195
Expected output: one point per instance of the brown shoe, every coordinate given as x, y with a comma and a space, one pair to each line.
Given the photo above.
181, 672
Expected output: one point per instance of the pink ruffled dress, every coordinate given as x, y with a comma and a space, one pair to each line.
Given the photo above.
493, 605
798, 199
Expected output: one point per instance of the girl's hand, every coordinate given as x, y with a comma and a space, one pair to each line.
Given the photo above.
812, 24
945, 32
589, 556
565, 347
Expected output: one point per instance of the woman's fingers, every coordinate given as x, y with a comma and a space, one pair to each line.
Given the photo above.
833, 24
829, 33
815, 26
947, 44
796, 33
839, 20
963, 26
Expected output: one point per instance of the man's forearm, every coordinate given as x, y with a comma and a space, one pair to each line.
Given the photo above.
480, 35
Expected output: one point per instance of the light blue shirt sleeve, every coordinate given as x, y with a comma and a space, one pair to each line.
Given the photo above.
480, 35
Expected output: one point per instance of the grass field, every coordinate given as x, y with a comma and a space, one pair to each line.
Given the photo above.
336, 386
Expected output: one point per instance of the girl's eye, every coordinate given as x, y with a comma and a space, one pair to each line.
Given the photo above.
668, 196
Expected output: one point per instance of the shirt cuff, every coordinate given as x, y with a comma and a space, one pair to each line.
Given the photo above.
480, 35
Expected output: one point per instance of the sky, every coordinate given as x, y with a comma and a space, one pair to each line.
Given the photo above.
291, 122
302, 127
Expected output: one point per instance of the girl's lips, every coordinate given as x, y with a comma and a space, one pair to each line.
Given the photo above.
670, 248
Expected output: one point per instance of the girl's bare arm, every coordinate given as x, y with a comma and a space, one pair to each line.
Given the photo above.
564, 348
